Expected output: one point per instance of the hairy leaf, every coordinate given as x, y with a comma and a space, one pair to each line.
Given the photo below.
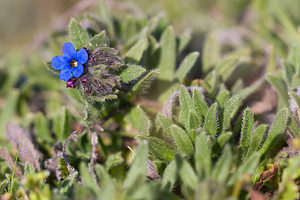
182, 140
280, 87
202, 155
186, 172
246, 133
248, 166
223, 165
199, 104
230, 109
138, 169
131, 72
170, 176
136, 52
145, 82
98, 41
257, 138
140, 120
210, 123
211, 53
78, 35
159, 148
167, 58
278, 128
186, 66
186, 106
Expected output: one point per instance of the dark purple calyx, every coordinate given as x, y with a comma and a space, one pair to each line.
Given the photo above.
71, 83
84, 80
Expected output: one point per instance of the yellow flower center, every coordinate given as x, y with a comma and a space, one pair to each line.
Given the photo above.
73, 63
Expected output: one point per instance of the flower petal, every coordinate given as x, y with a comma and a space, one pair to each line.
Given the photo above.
65, 74
69, 50
59, 62
77, 71
82, 56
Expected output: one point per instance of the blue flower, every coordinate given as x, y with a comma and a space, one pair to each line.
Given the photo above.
71, 64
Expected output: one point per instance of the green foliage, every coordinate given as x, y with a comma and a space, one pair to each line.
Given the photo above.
78, 36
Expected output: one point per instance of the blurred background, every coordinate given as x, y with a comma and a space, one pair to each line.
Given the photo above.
23, 21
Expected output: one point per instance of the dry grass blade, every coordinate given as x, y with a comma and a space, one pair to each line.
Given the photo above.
28, 153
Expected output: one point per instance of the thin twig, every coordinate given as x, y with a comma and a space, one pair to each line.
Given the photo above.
94, 141
73, 137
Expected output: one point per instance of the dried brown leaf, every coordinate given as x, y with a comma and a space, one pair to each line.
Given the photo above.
267, 175
151, 171
6, 156
17, 135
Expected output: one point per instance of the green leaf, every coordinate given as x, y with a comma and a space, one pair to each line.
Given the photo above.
291, 191
42, 128
183, 40
257, 138
48, 65
211, 53
186, 105
186, 172
139, 120
194, 123
98, 41
88, 179
167, 59
214, 83
293, 57
289, 71
92, 111
296, 98
78, 35
220, 142
62, 124
186, 66
246, 92
223, 165
246, 133
105, 16
278, 128
145, 82
280, 87
159, 148
138, 170
230, 109
227, 66
8, 111
248, 166
108, 188
131, 72
222, 98
66, 186
29, 170
199, 104
181, 140
210, 123
136, 52
293, 125
202, 155
287, 189
164, 122
113, 160
170, 176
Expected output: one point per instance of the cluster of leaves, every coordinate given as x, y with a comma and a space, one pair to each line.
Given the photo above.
198, 141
